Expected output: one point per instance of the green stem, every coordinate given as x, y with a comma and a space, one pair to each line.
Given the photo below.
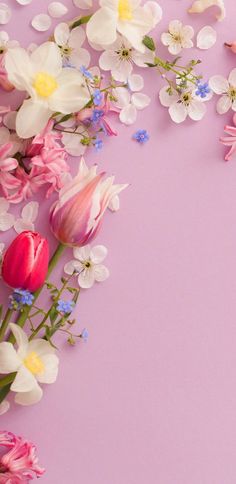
5, 322
80, 21
53, 262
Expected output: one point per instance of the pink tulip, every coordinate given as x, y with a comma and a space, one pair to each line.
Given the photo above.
25, 262
76, 217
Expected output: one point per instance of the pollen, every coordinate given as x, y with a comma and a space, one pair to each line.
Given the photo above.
33, 363
125, 10
44, 84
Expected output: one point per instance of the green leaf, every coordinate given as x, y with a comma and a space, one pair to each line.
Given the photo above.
81, 21
149, 43
4, 392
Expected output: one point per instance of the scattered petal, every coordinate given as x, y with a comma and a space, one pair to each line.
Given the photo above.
84, 4
57, 9
41, 22
206, 37
200, 6
24, 2
5, 13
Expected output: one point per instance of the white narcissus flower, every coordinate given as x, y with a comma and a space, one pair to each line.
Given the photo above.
6, 219
70, 44
178, 37
227, 90
126, 17
120, 57
87, 264
129, 101
50, 87
34, 362
182, 104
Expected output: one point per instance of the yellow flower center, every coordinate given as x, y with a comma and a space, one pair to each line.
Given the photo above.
44, 84
34, 363
125, 10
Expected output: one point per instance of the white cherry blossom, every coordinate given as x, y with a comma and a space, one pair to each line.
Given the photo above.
87, 263
183, 104
226, 89
178, 37
70, 44
130, 100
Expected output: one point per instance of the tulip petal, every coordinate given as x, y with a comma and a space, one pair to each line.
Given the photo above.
9, 360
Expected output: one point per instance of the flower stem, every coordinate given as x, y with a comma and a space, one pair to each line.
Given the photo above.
5, 322
53, 262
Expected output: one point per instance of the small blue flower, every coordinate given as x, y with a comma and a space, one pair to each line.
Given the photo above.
97, 97
86, 73
84, 335
97, 115
65, 307
98, 144
202, 89
141, 136
21, 297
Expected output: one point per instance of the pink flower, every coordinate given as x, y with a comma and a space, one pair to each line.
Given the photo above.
51, 163
27, 184
46, 139
7, 166
229, 141
19, 464
77, 216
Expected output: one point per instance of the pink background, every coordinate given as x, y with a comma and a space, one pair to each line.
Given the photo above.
152, 397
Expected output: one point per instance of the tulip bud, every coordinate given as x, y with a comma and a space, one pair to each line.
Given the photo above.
25, 263
76, 218
231, 46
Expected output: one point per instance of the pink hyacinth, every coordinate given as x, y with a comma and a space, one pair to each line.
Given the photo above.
46, 139
19, 464
229, 141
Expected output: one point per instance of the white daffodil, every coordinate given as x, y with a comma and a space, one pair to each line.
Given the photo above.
34, 362
6, 43
183, 104
87, 264
70, 44
226, 88
50, 87
129, 101
6, 219
120, 57
126, 17
178, 37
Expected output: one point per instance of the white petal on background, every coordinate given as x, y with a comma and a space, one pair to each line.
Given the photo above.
98, 254
223, 105
41, 22
30, 211
114, 204
128, 114
57, 9
20, 337
196, 110
206, 37
178, 112
24, 381
29, 398
232, 77
84, 4
155, 9
82, 253
49, 375
5, 13
4, 407
86, 278
101, 273
72, 266
6, 221
167, 99
218, 84
135, 82
24, 2
21, 225
140, 100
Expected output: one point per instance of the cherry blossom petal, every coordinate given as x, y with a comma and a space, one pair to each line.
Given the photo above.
24, 2
128, 114
232, 77
178, 112
5, 13
22, 225
77, 37
101, 273
41, 22
6, 221
30, 211
135, 82
83, 4
98, 254
87, 278
72, 266
166, 99
4, 205
140, 100
62, 34
196, 110
206, 37
57, 9
122, 96
82, 253
218, 84
223, 104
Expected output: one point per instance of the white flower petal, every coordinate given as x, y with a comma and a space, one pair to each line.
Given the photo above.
175, 27
22, 225
135, 82
9, 360
24, 381
155, 9
24, 2
83, 4
47, 58
86, 279
50, 372
114, 204
62, 34
57, 9
31, 118
41, 22
82, 253
21, 339
223, 104
77, 37
128, 114
29, 398
101, 28
70, 95
166, 38
4, 407
6, 221
218, 84
5, 13
41, 347
30, 211
72, 266
98, 254
101, 273
4, 205
72, 144
232, 77
196, 110
166, 99
19, 69
140, 100
178, 112
122, 96
206, 37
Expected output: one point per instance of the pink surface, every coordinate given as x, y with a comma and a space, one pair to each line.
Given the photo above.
152, 397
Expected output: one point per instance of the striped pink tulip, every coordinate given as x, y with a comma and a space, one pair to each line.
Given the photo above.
77, 215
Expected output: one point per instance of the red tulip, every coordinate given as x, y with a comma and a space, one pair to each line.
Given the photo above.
25, 263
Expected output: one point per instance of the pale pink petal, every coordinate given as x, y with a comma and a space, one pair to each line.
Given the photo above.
128, 114
86, 279
218, 84
101, 273
178, 112
223, 104
98, 254
140, 100
196, 110
57, 9
41, 22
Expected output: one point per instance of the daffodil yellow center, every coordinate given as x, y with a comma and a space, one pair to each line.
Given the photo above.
125, 10
34, 363
44, 84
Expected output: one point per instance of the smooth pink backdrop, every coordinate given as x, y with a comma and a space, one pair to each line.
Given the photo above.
152, 397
